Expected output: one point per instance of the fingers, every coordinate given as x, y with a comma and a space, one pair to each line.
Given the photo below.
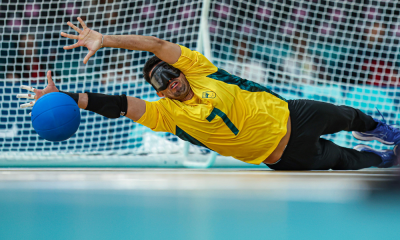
28, 88
70, 36
71, 46
49, 79
28, 96
82, 23
25, 105
91, 53
74, 27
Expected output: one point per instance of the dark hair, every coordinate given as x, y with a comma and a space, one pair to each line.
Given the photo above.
154, 60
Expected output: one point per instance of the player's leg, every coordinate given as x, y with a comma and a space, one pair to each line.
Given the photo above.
335, 157
344, 118
325, 155
338, 118
321, 118
329, 118
310, 120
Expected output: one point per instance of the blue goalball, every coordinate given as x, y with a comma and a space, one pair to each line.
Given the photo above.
55, 116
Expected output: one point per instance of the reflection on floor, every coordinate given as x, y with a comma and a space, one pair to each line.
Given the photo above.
131, 203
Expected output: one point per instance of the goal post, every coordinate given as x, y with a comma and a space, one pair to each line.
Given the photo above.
342, 52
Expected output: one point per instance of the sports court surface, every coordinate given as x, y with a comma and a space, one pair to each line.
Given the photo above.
219, 203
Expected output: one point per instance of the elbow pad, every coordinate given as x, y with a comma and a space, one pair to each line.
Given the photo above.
110, 106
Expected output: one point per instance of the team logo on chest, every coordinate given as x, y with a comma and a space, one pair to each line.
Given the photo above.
209, 94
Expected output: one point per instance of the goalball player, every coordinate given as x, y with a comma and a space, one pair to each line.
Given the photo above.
209, 107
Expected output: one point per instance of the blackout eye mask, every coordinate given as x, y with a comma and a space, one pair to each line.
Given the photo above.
161, 75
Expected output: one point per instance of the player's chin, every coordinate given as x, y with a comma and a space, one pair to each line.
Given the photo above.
180, 91
178, 95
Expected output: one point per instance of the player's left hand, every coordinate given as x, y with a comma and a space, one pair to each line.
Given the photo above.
87, 37
51, 87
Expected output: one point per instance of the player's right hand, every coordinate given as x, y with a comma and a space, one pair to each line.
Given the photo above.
87, 37
51, 87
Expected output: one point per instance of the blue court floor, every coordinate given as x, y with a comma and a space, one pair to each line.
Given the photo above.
132, 203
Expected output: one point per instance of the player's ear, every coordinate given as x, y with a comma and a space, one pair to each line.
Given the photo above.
160, 94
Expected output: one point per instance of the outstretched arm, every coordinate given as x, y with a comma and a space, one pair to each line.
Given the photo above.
135, 106
93, 41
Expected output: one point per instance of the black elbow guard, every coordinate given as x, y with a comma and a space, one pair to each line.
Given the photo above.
110, 106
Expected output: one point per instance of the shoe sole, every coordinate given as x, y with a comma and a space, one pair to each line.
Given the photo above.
363, 138
361, 146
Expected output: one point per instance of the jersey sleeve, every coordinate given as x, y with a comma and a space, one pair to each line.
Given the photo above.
194, 64
155, 119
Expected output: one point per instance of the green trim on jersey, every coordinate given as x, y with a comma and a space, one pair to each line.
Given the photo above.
224, 76
186, 137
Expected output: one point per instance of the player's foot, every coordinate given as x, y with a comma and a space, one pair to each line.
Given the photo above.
383, 132
389, 157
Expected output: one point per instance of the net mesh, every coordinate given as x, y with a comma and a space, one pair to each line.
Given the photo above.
31, 44
342, 52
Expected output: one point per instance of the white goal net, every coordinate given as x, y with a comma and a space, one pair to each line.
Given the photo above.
343, 52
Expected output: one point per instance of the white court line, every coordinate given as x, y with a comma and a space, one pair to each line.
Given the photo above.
208, 171
324, 186
372, 173
194, 170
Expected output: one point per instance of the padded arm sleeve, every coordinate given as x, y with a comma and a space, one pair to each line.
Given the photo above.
110, 106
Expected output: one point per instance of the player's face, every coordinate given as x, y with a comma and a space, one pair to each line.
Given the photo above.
178, 88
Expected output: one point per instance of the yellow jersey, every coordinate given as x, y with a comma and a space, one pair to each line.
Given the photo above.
232, 116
